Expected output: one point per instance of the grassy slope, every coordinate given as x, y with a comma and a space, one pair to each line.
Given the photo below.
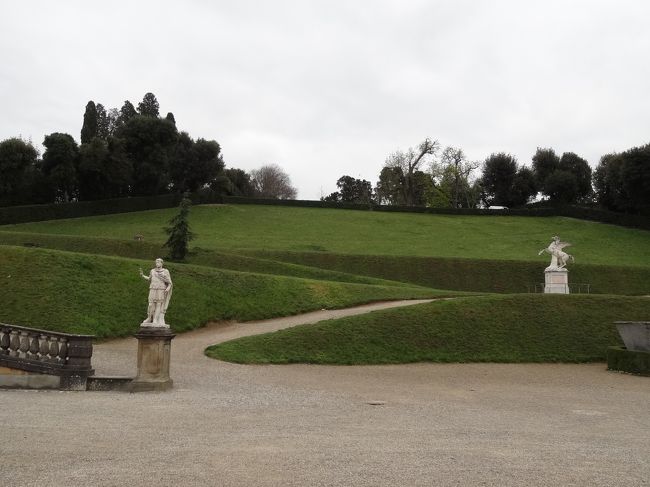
478, 275
82, 293
233, 227
524, 328
211, 258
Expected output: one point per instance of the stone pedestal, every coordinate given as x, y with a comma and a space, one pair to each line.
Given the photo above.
154, 351
556, 281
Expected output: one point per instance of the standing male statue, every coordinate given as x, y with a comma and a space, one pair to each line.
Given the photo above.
160, 290
559, 258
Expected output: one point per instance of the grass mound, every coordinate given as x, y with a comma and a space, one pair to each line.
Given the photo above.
509, 328
104, 296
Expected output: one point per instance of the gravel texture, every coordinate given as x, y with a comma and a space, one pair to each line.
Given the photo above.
302, 425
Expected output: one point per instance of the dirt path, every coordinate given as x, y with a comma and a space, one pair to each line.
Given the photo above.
116, 357
302, 425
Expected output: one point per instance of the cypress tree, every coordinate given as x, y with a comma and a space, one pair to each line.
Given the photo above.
179, 234
89, 128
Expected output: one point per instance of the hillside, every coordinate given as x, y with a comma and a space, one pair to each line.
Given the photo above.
237, 227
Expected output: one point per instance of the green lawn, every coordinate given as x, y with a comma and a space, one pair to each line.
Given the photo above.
508, 328
236, 227
104, 296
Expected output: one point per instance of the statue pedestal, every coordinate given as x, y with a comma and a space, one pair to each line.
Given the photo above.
556, 281
154, 350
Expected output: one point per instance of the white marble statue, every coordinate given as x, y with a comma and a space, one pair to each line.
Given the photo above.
160, 291
559, 258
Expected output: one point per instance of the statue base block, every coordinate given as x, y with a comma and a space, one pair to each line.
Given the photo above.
154, 351
556, 281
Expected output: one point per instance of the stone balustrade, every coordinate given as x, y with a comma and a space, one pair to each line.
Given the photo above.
45, 352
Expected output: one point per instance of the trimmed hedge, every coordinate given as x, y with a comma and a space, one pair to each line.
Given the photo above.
57, 211
239, 200
476, 275
582, 213
78, 209
605, 216
631, 361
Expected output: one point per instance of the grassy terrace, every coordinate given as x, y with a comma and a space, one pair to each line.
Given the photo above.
236, 227
81, 293
255, 262
523, 328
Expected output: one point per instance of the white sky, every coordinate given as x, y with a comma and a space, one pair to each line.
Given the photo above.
327, 88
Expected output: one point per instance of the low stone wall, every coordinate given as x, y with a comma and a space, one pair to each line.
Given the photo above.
33, 358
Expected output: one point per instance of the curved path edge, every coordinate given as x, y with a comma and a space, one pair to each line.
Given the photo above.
117, 356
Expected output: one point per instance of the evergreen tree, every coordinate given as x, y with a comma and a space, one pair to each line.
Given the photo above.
149, 106
580, 169
150, 143
179, 234
103, 122
127, 112
170, 117
89, 128
17, 159
60, 164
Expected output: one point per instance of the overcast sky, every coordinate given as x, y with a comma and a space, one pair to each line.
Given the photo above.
327, 88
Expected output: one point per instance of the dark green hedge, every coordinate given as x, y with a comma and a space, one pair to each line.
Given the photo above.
55, 211
623, 360
479, 275
77, 209
583, 213
604, 216
238, 200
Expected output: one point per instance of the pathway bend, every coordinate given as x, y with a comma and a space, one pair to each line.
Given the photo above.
116, 357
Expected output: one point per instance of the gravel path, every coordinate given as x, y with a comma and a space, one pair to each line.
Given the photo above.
301, 425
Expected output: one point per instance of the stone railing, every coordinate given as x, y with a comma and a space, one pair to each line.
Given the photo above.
45, 352
573, 288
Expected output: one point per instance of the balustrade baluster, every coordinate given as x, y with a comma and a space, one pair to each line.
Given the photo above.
33, 346
54, 349
24, 344
63, 349
4, 342
44, 348
14, 343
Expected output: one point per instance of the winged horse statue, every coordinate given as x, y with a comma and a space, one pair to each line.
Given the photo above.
559, 258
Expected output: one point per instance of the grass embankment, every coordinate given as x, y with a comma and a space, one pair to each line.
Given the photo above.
477, 275
233, 227
511, 328
104, 296
211, 258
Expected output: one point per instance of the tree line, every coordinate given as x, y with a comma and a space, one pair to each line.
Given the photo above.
131, 151
428, 176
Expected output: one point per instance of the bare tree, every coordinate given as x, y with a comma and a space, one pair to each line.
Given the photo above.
271, 181
409, 162
453, 161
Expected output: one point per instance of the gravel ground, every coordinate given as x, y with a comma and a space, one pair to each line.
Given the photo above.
302, 425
